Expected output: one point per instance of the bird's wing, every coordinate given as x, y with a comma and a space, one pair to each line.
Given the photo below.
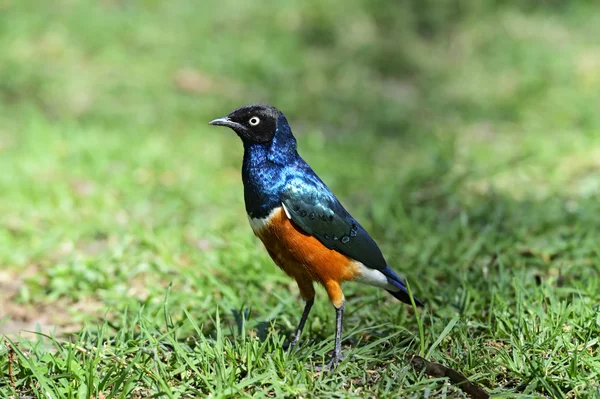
316, 211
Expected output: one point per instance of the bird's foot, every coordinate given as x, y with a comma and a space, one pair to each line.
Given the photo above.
331, 365
292, 344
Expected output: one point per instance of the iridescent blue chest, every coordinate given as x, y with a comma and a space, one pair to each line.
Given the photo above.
266, 169
263, 182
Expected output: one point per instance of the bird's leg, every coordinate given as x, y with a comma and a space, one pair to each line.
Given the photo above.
298, 333
337, 350
336, 296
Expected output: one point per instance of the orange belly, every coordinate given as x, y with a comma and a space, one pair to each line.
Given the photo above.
304, 258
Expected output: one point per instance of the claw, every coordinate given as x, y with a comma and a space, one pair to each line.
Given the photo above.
330, 366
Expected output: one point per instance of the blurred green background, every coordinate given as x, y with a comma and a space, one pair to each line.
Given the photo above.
464, 134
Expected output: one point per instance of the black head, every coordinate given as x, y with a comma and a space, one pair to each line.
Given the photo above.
254, 123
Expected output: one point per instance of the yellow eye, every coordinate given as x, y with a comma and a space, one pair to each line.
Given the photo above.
254, 121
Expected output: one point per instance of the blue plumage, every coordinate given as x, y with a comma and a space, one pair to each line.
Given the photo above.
267, 167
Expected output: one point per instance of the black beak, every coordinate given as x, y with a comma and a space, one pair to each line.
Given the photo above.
224, 121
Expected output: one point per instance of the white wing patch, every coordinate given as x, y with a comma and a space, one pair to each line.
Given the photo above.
373, 277
287, 213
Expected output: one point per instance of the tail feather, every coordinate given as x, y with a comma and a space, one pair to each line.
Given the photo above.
397, 282
403, 296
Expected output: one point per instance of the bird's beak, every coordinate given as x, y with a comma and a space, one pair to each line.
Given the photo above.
224, 121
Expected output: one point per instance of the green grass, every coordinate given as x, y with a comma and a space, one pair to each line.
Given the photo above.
466, 143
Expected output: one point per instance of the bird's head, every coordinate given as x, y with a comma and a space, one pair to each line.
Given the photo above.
254, 123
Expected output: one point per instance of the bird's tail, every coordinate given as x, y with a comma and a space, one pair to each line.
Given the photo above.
404, 297
402, 293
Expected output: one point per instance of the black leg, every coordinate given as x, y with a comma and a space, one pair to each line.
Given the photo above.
337, 351
305, 313
339, 321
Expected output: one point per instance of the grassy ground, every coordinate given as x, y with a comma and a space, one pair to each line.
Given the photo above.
471, 154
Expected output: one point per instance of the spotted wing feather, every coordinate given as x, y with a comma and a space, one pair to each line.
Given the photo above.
316, 211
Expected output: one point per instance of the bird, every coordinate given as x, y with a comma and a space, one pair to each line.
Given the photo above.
303, 226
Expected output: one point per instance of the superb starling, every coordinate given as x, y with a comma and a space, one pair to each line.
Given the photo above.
303, 226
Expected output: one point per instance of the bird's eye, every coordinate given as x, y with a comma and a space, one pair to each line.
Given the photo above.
254, 121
